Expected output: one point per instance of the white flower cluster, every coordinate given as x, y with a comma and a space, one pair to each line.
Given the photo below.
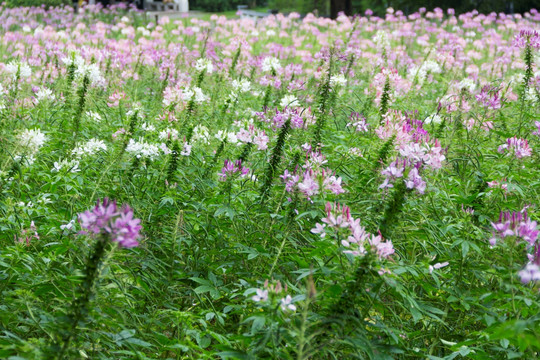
20, 68
82, 69
44, 94
94, 116
71, 166
421, 72
468, 84
200, 133
242, 85
338, 80
433, 118
142, 149
74, 59
381, 40
91, 71
30, 141
168, 134
143, 31
148, 127
270, 63
90, 148
204, 65
229, 136
136, 110
194, 93
2, 93
289, 101
531, 95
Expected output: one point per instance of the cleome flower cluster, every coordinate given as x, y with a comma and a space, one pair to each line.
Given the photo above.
116, 223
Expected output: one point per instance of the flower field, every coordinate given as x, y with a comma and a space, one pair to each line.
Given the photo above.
292, 188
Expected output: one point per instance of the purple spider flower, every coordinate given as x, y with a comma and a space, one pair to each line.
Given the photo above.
118, 224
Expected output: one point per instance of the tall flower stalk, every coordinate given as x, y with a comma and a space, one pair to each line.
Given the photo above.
235, 60
275, 159
108, 224
324, 97
385, 99
393, 208
173, 161
81, 93
525, 39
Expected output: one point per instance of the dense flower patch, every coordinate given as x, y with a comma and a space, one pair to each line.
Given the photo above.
297, 187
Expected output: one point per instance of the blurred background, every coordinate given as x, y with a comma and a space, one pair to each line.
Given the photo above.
327, 8
331, 7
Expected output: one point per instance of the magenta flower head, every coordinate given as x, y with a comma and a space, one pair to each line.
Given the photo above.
119, 224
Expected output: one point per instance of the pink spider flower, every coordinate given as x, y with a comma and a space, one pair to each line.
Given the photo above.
107, 219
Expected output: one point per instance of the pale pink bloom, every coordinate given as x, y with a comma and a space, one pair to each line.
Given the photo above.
261, 295
308, 186
319, 229
414, 181
286, 304
261, 140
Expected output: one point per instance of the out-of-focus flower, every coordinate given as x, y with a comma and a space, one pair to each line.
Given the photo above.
204, 64
270, 64
44, 94
530, 273
107, 219
519, 147
261, 295
437, 266
286, 304
90, 148
17, 68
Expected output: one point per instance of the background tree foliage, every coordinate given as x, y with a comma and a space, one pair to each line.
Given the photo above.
332, 7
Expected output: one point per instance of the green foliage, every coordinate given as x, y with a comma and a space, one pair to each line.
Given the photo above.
222, 5
37, 3
195, 287
301, 6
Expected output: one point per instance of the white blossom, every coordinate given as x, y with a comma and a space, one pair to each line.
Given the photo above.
71, 166
433, 118
90, 148
31, 140
242, 85
270, 63
44, 94
142, 149
338, 80
94, 116
148, 127
20, 68
468, 84
168, 134
204, 64
289, 101
200, 133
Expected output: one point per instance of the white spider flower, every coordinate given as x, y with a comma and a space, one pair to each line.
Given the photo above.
270, 63
17, 67
204, 65
90, 148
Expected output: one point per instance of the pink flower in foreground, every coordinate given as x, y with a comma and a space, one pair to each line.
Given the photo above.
530, 273
354, 237
537, 131
119, 224
520, 147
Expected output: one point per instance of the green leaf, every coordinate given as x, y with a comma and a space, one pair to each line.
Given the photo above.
138, 342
